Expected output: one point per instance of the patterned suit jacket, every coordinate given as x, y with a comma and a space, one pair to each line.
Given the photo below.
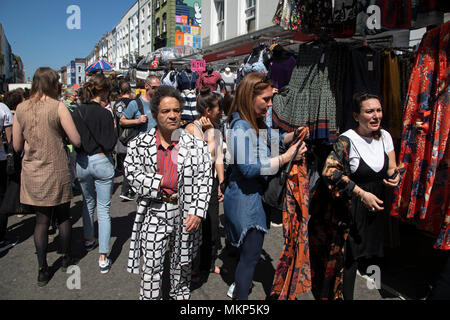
194, 171
194, 184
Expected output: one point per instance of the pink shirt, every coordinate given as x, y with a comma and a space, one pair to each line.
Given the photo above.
167, 167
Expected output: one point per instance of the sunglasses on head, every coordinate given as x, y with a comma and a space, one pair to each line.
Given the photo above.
150, 86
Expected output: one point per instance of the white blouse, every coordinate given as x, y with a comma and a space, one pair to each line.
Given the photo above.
370, 149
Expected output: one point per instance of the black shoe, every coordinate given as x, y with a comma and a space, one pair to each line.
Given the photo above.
67, 261
43, 277
7, 244
90, 245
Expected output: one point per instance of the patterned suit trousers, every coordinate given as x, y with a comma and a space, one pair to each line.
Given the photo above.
161, 231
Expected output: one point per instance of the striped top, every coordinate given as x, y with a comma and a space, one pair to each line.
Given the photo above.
190, 108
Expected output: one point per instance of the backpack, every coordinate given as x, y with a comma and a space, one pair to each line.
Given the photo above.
132, 132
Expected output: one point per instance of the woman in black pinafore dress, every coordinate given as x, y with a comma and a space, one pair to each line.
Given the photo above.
360, 167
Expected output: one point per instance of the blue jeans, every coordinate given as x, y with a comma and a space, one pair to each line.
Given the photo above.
95, 174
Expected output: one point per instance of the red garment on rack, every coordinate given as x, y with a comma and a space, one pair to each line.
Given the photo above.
424, 191
209, 80
293, 273
395, 13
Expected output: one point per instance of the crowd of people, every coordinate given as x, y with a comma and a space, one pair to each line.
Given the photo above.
57, 142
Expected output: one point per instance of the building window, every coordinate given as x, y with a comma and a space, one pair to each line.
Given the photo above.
157, 4
149, 30
220, 10
143, 15
164, 24
250, 11
158, 31
149, 9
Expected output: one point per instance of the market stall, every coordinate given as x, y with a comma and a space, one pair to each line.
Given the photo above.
325, 53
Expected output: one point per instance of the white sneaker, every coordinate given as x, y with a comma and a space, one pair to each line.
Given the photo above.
230, 292
105, 266
276, 225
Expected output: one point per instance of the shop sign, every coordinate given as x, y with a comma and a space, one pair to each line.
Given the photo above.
198, 65
154, 64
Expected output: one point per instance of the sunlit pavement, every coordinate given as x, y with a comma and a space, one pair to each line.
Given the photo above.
18, 266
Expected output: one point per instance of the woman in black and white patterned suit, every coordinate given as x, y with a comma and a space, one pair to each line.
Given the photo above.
170, 171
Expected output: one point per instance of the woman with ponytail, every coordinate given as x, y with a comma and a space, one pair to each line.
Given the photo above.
206, 127
95, 166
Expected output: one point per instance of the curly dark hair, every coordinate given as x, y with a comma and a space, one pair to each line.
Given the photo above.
161, 93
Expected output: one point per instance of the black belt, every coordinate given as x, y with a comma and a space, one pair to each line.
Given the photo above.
173, 199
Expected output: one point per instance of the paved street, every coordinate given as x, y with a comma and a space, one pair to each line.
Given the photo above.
18, 266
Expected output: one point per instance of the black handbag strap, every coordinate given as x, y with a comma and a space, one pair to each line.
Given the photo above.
140, 106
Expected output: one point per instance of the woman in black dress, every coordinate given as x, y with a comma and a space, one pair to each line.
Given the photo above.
359, 168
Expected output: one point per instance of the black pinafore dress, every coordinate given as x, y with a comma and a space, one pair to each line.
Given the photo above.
366, 237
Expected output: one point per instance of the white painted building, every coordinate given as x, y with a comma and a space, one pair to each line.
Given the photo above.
231, 28
127, 33
103, 47
91, 58
122, 43
145, 27
133, 27
224, 20
129, 39
112, 47
80, 73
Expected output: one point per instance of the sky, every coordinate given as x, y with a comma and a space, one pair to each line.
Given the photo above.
37, 29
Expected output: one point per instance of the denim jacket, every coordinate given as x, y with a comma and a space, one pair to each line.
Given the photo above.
250, 156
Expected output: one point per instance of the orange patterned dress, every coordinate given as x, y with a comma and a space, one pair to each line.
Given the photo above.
423, 193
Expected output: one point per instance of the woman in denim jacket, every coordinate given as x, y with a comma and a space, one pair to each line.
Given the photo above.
252, 161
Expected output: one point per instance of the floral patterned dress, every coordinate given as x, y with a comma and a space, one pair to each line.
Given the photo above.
423, 193
293, 273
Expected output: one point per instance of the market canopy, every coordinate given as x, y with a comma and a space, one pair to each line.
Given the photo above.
99, 65
163, 56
